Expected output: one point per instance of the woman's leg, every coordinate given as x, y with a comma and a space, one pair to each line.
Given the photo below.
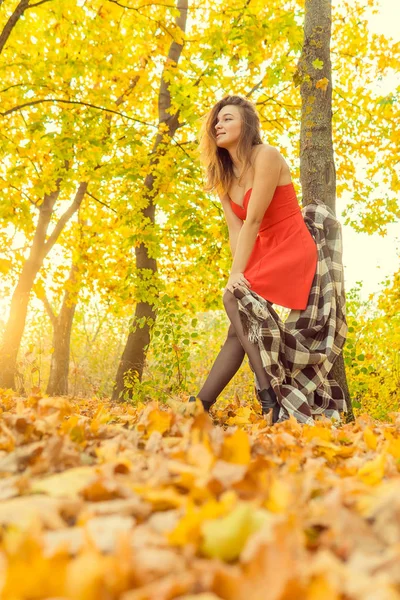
252, 350
224, 368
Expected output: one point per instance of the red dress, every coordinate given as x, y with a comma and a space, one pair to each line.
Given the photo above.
282, 265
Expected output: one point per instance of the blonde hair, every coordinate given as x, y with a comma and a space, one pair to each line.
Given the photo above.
217, 161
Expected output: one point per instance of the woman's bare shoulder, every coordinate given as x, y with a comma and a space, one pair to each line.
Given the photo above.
265, 150
270, 153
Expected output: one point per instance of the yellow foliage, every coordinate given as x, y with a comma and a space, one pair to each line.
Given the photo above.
225, 538
136, 500
373, 471
97, 505
159, 420
279, 496
236, 448
321, 589
189, 528
370, 438
322, 433
393, 447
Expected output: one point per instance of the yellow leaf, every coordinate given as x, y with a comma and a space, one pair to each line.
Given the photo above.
161, 499
322, 433
321, 589
373, 471
394, 447
279, 496
322, 84
226, 537
370, 438
67, 483
101, 417
200, 454
85, 576
333, 450
75, 427
204, 596
42, 577
186, 409
236, 448
188, 530
158, 420
242, 416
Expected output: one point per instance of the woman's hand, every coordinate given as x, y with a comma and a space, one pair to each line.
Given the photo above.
236, 279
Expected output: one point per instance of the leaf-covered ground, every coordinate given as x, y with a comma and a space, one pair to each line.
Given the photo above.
107, 501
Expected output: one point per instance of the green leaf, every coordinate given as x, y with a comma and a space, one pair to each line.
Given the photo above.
225, 538
317, 64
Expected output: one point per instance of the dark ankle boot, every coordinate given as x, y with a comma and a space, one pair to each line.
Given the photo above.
268, 401
206, 405
275, 412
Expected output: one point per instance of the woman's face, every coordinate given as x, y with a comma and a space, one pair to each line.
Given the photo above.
228, 126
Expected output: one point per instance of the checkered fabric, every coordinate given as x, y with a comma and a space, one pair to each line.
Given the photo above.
298, 353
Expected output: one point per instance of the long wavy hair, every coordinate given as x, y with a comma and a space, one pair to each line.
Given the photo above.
216, 161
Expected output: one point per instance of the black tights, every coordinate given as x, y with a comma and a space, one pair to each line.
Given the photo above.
231, 357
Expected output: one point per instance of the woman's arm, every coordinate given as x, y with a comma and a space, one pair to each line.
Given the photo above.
267, 168
234, 223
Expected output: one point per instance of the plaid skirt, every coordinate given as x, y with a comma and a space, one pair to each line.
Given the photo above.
298, 353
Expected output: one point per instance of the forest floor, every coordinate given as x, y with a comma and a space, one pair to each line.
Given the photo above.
103, 500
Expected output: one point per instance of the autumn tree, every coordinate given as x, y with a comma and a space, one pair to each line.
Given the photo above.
84, 105
317, 165
133, 356
190, 84
54, 145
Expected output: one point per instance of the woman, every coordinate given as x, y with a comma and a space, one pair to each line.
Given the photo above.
274, 254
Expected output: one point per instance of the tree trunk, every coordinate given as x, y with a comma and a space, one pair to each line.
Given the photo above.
134, 355
317, 166
59, 368
20, 299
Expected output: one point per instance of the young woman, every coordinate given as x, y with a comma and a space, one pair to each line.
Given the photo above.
274, 253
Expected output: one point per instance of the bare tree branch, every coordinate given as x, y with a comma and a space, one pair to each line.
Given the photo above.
13, 20
49, 310
138, 9
24, 194
103, 203
30, 85
88, 104
66, 216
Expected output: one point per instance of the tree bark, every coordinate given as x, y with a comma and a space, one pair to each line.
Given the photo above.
134, 355
317, 165
20, 299
59, 368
